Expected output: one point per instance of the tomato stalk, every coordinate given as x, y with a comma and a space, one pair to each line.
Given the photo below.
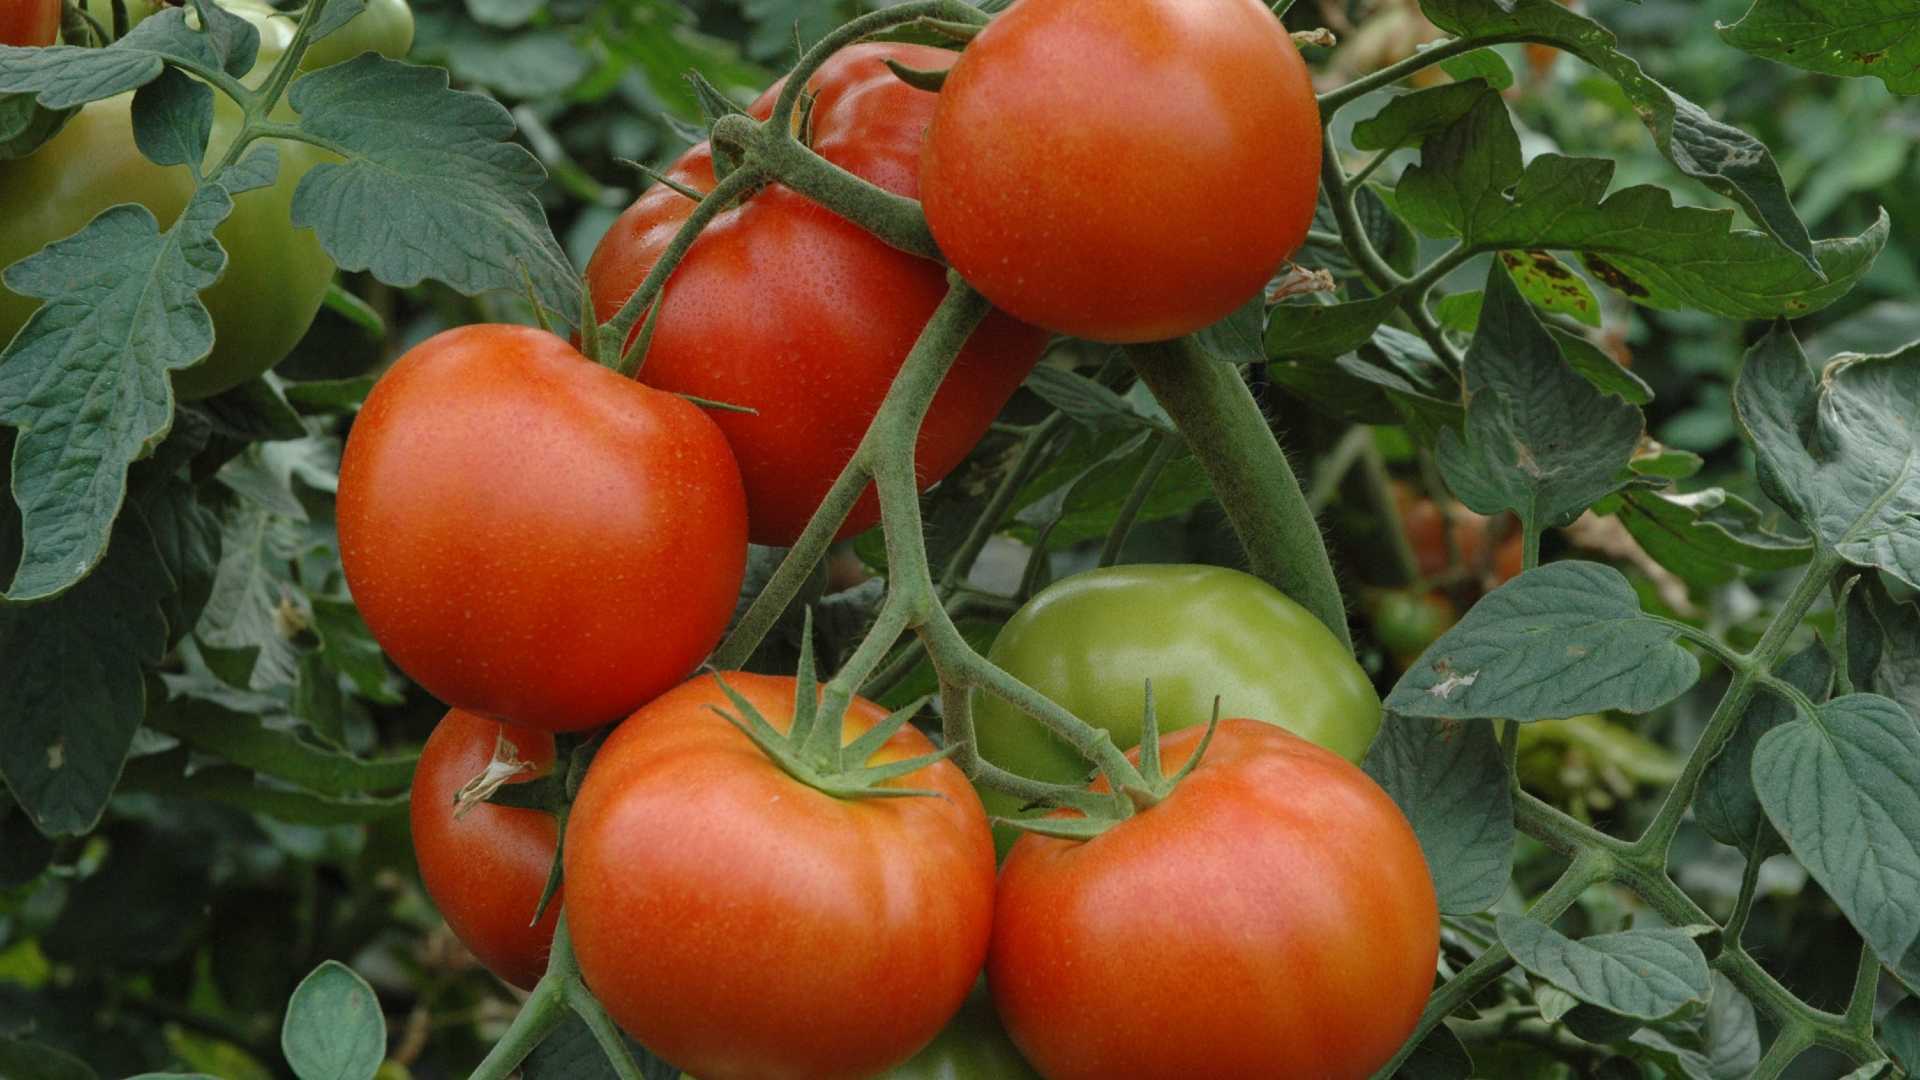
1214, 410
560, 990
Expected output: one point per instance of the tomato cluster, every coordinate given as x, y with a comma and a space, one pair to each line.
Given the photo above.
550, 547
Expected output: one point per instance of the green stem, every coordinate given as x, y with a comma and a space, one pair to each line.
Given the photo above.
954, 11
1652, 847
1332, 469
1163, 452
538, 1016
795, 568
1743, 903
619, 328
895, 219
1221, 421
1423, 282
1788, 1045
1332, 100
1347, 215
1866, 984
956, 708
1380, 486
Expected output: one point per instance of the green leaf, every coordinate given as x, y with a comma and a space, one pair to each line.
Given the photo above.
1560, 640
1644, 974
1236, 338
247, 741
1409, 118
254, 411
1855, 38
1841, 455
571, 1052
1900, 1033
1392, 238
1727, 805
1843, 788
1706, 536
1086, 504
1595, 366
347, 646
22, 1060
1450, 781
1393, 374
25, 125
229, 785
1085, 400
85, 380
456, 203
1440, 1056
1888, 635
168, 869
1313, 330
68, 75
1634, 240
71, 688
253, 596
334, 1028
1484, 64
525, 64
1540, 440
1723, 157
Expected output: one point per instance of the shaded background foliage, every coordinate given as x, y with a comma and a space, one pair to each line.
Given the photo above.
172, 936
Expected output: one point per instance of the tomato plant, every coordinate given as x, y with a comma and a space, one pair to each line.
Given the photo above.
29, 22
507, 535
741, 923
812, 350
1092, 642
1124, 209
486, 866
1306, 937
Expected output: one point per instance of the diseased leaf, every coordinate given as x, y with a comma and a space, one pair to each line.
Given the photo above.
1470, 183
1860, 38
1842, 454
1560, 640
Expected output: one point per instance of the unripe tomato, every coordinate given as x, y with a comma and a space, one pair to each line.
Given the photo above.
973, 1046
786, 308
385, 27
746, 926
534, 538
1092, 641
486, 868
1124, 170
276, 275
1272, 917
1406, 621
29, 22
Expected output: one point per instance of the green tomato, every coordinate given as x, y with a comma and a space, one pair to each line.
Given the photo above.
1406, 621
385, 27
276, 275
973, 1046
1092, 642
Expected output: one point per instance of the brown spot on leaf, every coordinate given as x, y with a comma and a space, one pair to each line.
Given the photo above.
1613, 275
1871, 57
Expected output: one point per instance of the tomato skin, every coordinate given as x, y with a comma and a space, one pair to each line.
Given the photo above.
533, 538
30, 23
1124, 170
786, 308
487, 868
747, 927
1091, 641
1274, 916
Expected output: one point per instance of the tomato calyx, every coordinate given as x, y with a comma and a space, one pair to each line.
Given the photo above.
1104, 810
918, 78
811, 750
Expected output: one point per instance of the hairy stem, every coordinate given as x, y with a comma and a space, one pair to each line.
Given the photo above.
1221, 421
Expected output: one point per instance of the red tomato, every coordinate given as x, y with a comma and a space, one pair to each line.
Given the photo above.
791, 310
1427, 532
486, 869
746, 926
534, 538
1124, 170
1272, 917
29, 22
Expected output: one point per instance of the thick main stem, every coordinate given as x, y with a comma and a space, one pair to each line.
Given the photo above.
1221, 421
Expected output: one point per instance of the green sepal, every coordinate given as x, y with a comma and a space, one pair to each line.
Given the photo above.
713, 103
661, 178
918, 78
1080, 828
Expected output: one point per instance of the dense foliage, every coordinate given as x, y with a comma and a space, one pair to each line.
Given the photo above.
1581, 425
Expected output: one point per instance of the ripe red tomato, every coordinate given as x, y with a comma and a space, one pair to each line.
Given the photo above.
1273, 916
534, 538
29, 22
486, 869
786, 308
1124, 170
744, 925
1426, 529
